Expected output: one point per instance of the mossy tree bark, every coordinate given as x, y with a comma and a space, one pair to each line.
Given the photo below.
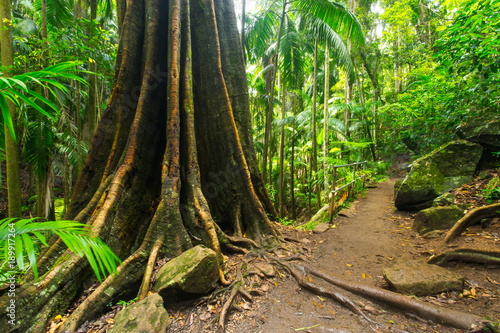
171, 164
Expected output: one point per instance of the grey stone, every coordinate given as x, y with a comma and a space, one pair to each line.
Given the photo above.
146, 316
195, 272
444, 200
430, 176
320, 228
485, 132
437, 218
267, 269
420, 279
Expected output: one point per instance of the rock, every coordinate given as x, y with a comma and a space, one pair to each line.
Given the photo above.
267, 269
146, 316
433, 234
446, 168
195, 272
485, 132
437, 218
444, 200
320, 228
420, 279
348, 212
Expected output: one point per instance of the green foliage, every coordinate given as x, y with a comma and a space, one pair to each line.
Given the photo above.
491, 195
17, 90
468, 51
286, 221
20, 239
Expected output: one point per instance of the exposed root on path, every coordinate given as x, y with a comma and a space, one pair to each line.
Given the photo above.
337, 296
471, 218
466, 255
237, 288
444, 316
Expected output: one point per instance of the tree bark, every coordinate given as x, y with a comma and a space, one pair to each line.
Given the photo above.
165, 171
91, 109
11, 151
274, 72
325, 122
314, 148
282, 154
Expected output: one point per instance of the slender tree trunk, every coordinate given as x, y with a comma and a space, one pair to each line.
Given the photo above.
243, 17
11, 151
349, 83
372, 74
274, 72
45, 181
362, 103
77, 14
91, 109
325, 119
292, 159
314, 149
66, 183
282, 154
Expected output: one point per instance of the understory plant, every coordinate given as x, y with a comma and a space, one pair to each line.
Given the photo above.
21, 240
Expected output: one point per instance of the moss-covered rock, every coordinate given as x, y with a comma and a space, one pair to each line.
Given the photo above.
195, 272
485, 132
437, 218
447, 167
420, 279
146, 316
444, 200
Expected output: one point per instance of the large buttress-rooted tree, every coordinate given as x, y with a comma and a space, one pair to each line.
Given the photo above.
172, 163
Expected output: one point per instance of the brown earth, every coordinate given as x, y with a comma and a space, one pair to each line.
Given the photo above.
373, 236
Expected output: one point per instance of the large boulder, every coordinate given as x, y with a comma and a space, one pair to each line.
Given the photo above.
146, 316
420, 279
485, 132
195, 272
447, 167
437, 218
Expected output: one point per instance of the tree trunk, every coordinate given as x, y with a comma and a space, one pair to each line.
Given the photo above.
282, 154
164, 170
11, 151
372, 74
292, 157
314, 149
325, 121
243, 15
91, 109
274, 72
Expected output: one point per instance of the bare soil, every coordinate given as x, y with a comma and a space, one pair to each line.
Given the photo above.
372, 236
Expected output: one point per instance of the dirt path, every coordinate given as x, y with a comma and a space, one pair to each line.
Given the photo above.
371, 237
358, 247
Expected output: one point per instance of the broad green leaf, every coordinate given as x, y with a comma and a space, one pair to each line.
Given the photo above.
6, 116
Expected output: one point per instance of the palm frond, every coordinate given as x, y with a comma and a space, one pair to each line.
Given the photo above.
74, 234
327, 35
336, 15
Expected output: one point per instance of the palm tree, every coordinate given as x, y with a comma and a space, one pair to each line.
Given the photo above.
18, 91
320, 13
300, 21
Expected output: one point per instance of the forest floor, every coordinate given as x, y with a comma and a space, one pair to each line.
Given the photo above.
373, 236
